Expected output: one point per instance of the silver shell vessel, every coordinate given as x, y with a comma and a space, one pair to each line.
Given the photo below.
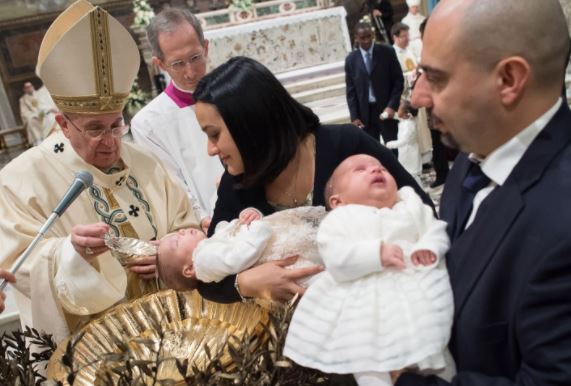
128, 250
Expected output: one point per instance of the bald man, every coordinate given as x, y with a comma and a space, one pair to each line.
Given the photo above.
507, 197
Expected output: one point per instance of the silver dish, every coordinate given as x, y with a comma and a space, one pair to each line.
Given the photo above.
128, 250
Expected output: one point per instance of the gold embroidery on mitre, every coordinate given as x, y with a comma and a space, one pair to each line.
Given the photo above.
104, 102
91, 104
105, 99
101, 52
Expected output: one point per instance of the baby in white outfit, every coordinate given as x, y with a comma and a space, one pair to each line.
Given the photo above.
187, 256
384, 302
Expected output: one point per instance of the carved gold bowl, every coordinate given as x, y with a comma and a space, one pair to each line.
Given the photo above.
177, 325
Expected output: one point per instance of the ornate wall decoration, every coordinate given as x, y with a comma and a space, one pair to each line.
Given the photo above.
286, 43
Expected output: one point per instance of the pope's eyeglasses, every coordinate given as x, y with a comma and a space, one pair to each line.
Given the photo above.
117, 131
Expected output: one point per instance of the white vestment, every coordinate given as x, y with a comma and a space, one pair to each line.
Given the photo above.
173, 134
414, 22
361, 317
56, 289
235, 247
407, 145
408, 64
37, 115
407, 60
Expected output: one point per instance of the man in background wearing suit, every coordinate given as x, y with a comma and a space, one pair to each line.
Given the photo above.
506, 199
374, 85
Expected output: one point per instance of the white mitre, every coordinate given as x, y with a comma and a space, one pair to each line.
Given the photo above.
83, 68
413, 3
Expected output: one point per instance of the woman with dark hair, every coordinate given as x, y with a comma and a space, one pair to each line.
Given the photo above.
277, 155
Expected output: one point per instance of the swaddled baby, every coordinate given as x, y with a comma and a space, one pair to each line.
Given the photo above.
187, 256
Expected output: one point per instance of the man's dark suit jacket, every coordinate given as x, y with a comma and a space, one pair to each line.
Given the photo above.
511, 272
386, 77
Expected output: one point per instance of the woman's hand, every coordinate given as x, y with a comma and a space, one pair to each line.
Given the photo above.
273, 281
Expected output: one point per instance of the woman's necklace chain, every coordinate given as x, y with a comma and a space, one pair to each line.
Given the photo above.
292, 195
283, 193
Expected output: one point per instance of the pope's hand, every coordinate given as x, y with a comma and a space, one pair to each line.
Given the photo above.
87, 240
273, 281
145, 267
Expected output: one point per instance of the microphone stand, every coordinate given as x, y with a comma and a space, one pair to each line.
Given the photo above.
47, 225
82, 181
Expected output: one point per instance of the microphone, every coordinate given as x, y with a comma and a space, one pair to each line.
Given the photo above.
82, 180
